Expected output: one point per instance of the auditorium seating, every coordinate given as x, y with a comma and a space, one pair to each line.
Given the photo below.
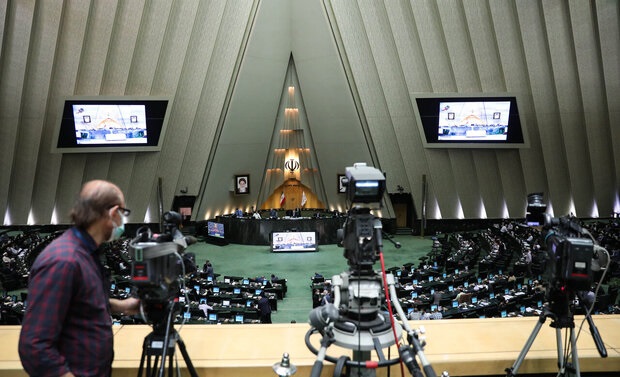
488, 267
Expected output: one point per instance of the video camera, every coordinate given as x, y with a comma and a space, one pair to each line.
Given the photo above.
569, 257
365, 189
157, 267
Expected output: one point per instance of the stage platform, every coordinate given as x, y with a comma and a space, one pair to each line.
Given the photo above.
463, 347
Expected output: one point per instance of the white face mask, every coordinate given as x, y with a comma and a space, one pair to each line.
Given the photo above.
118, 230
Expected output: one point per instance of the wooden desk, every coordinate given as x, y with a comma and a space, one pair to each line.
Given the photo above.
462, 347
249, 231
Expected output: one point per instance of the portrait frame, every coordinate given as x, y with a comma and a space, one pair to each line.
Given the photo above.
342, 189
242, 184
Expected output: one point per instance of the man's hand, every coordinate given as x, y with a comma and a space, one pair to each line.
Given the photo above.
129, 306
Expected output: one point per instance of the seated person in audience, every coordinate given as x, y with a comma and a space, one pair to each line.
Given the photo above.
256, 215
205, 308
415, 315
208, 269
327, 298
238, 212
437, 297
297, 212
436, 313
273, 214
424, 315
316, 298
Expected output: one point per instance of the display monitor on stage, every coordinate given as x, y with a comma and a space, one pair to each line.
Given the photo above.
293, 241
215, 229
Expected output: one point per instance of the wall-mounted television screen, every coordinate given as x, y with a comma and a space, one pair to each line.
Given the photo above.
111, 124
469, 121
293, 241
215, 229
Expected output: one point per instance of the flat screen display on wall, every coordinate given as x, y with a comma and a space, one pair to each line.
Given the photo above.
456, 121
104, 124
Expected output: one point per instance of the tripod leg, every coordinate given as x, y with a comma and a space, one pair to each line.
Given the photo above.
573, 342
171, 364
143, 357
561, 361
512, 371
188, 361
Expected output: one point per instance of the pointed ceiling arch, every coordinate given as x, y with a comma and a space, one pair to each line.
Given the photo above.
291, 177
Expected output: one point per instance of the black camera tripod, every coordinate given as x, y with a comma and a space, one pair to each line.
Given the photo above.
155, 346
562, 317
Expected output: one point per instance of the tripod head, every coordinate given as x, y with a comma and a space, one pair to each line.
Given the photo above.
356, 319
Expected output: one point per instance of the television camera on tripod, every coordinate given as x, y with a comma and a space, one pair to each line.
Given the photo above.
158, 271
569, 263
355, 320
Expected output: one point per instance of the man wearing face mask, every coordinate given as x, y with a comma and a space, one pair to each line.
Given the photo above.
67, 327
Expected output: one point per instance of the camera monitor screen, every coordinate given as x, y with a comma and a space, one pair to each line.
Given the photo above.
246, 281
239, 318
225, 302
212, 317
216, 289
293, 241
237, 291
248, 303
111, 124
469, 121
455, 304
258, 292
215, 229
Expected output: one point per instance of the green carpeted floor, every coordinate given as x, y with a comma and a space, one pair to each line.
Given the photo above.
297, 268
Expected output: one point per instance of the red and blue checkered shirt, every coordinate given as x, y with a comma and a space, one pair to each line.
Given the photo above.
67, 325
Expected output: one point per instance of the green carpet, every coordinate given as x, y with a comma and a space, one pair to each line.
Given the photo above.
297, 268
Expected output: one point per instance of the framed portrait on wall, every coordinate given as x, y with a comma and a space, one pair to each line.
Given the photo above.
242, 184
342, 186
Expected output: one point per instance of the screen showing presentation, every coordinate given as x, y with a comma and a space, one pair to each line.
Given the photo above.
215, 229
109, 124
454, 121
482, 120
293, 241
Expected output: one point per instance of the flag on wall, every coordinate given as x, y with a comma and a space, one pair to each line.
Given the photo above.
282, 199
303, 198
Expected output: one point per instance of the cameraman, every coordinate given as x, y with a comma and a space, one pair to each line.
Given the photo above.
67, 327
